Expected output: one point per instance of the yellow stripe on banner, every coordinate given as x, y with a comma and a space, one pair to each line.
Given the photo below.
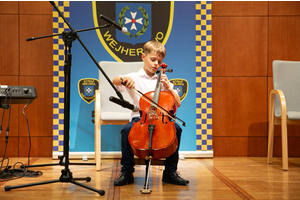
58, 74
203, 76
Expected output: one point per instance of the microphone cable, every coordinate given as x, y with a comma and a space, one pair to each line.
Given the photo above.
27, 172
28, 129
16, 173
7, 129
4, 106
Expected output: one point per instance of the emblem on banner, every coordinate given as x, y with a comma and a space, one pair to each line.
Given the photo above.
86, 89
141, 23
136, 19
181, 86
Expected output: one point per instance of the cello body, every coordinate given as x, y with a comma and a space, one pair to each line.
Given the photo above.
163, 140
154, 135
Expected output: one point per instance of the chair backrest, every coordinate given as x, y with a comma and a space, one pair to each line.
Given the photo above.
286, 77
109, 110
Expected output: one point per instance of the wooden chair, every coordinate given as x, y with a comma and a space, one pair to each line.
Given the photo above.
284, 104
107, 112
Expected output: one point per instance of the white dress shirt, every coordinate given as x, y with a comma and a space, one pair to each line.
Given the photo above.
143, 83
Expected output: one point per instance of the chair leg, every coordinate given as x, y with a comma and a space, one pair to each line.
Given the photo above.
98, 150
271, 128
283, 128
97, 132
284, 133
270, 142
284, 146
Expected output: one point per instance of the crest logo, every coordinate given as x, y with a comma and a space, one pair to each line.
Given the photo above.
144, 21
86, 89
181, 85
136, 19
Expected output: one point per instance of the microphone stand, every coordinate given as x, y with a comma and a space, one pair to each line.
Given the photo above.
68, 38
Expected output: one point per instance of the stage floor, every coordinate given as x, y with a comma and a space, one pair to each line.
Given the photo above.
213, 178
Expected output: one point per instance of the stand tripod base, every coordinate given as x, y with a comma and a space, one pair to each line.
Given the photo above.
145, 191
65, 177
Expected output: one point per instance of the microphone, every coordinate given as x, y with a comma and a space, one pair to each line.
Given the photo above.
124, 104
115, 24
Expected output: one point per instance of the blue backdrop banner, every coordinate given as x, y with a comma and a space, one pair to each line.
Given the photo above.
184, 27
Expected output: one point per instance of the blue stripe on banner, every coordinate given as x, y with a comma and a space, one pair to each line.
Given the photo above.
203, 76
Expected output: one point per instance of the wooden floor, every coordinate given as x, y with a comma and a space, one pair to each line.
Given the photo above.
217, 178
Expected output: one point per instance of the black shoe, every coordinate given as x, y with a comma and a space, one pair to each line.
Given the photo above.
174, 178
124, 178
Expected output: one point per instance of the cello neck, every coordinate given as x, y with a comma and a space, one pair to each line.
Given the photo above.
157, 88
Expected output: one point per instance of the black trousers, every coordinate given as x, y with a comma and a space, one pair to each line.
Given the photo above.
127, 155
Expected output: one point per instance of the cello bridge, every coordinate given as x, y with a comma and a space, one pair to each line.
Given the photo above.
152, 115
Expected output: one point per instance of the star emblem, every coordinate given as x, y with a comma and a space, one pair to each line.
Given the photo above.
133, 20
88, 90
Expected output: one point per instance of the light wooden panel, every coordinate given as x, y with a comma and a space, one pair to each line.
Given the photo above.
14, 118
239, 8
40, 111
273, 37
292, 130
36, 57
240, 146
226, 146
20, 58
239, 106
284, 39
35, 7
9, 7
12, 146
40, 146
13, 122
239, 46
293, 147
284, 7
9, 40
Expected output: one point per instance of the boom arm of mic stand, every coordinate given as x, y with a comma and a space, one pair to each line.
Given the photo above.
83, 45
88, 29
86, 49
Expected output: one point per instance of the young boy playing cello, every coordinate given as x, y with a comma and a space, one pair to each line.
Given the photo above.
145, 81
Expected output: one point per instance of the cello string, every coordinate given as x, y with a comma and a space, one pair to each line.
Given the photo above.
158, 106
155, 105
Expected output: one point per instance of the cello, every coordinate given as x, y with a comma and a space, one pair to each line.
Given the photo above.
154, 135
